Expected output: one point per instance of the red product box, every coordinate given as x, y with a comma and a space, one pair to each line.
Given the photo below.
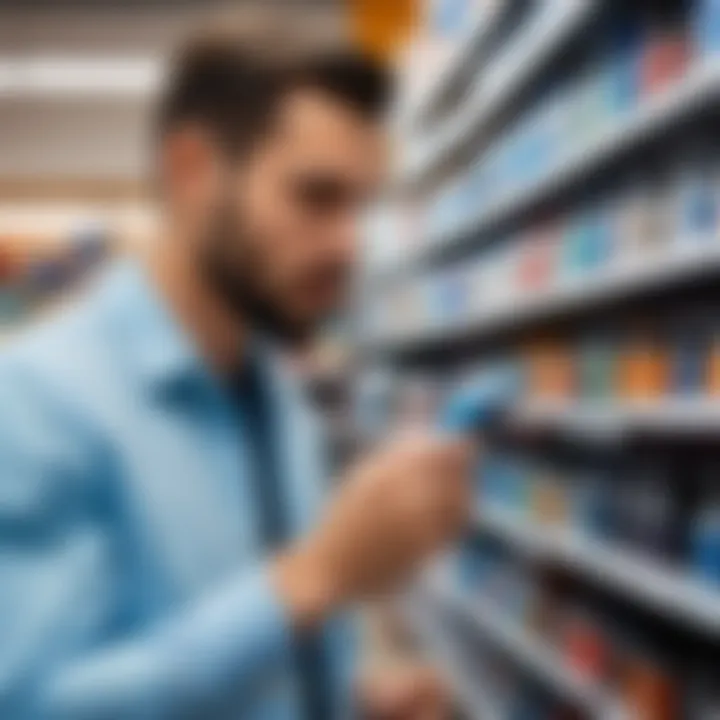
537, 267
665, 59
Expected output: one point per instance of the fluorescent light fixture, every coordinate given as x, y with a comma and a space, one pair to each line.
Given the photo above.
41, 76
55, 220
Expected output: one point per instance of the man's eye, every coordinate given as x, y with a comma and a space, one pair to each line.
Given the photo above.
322, 194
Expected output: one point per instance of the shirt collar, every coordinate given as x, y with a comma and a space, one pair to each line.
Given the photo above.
151, 339
161, 353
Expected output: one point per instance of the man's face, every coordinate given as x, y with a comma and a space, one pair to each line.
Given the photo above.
280, 238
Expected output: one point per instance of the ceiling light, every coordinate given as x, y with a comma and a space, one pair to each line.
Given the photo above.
78, 76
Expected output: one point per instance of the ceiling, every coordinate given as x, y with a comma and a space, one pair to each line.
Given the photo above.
59, 145
135, 4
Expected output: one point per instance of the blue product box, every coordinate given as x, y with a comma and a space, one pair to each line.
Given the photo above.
705, 542
692, 341
506, 487
624, 65
597, 246
698, 203
479, 562
572, 247
489, 478
448, 18
537, 147
454, 295
707, 26
581, 256
705, 527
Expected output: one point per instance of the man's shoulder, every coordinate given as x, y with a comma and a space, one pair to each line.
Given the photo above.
60, 368
60, 348
50, 435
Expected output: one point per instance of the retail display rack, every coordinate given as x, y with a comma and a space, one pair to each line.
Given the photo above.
558, 210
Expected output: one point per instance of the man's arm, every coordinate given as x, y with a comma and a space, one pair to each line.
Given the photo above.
60, 584
56, 573
207, 652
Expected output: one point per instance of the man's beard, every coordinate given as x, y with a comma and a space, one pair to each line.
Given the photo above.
235, 273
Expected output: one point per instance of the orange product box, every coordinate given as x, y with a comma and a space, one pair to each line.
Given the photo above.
644, 368
551, 371
649, 692
713, 368
549, 500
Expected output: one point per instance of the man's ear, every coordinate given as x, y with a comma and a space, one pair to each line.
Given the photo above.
191, 167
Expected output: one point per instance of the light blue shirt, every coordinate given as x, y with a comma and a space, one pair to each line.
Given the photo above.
132, 582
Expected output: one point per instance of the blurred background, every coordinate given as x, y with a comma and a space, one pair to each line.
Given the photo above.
554, 210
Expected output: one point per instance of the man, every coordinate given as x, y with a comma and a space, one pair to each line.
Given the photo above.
161, 554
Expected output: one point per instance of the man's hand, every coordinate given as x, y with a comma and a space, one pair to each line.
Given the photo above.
411, 692
395, 509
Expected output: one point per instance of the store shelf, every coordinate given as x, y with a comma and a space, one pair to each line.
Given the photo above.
619, 419
533, 654
692, 94
477, 35
646, 140
646, 582
469, 693
572, 298
508, 77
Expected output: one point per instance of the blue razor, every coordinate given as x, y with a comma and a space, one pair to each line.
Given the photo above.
479, 404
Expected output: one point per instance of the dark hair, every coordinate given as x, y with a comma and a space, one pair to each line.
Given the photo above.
231, 83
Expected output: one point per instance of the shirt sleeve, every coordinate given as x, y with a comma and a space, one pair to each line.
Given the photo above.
192, 664
59, 590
